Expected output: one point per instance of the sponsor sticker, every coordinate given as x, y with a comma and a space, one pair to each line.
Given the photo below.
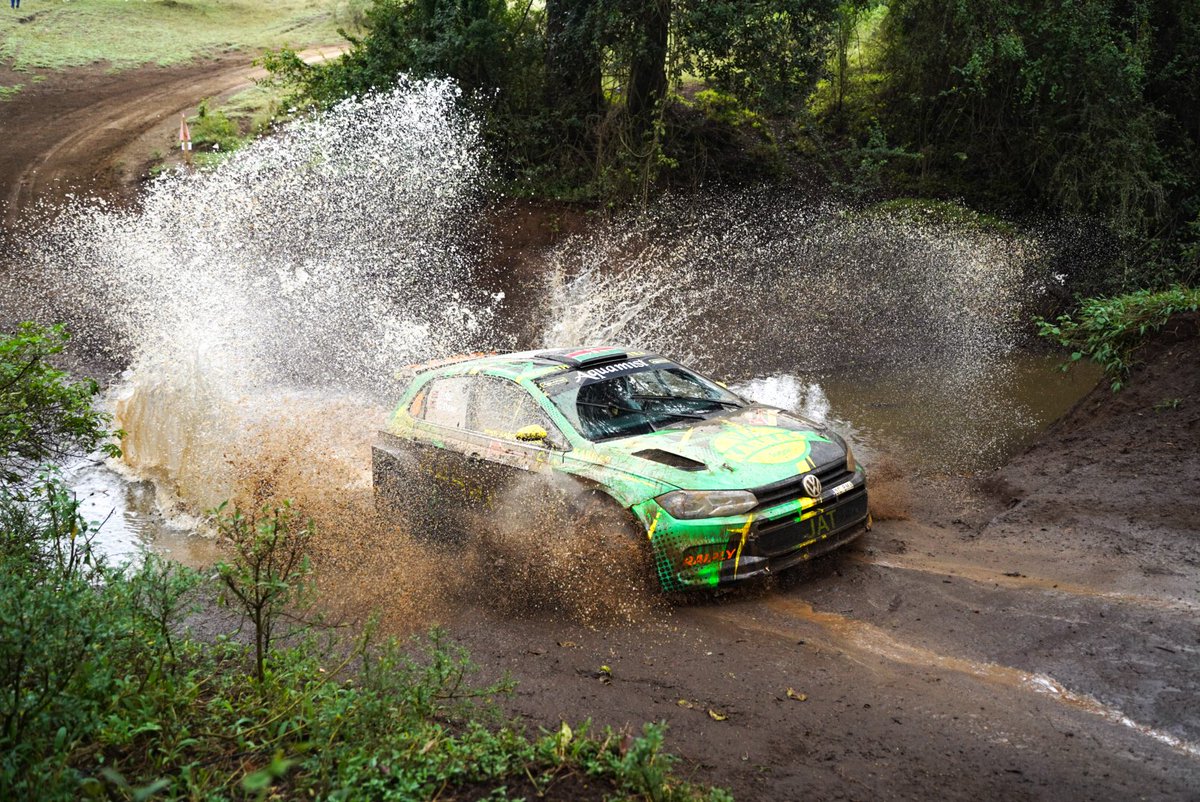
584, 377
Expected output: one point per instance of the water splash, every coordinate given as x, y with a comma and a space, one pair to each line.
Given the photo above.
749, 280
317, 261
790, 297
326, 255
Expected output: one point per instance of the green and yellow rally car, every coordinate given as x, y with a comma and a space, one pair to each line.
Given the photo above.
720, 489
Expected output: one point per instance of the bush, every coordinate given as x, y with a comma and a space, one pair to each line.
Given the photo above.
213, 130
1109, 331
44, 415
269, 574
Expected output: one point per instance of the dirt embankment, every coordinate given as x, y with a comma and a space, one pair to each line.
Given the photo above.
1120, 473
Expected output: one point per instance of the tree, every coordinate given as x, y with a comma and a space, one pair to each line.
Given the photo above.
1087, 106
573, 60
767, 53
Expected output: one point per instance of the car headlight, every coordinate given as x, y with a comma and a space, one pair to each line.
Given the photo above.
851, 465
707, 503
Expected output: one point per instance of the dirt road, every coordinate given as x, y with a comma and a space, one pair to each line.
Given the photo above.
1033, 637
95, 130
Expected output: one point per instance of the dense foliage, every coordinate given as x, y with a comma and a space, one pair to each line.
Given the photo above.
1109, 331
586, 97
44, 416
1085, 107
1084, 110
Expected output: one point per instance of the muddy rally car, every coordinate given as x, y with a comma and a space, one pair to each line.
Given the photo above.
710, 488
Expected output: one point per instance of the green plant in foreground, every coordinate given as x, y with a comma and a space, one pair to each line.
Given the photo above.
44, 415
105, 694
269, 574
1109, 331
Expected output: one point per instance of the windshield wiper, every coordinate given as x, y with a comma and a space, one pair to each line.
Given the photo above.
733, 404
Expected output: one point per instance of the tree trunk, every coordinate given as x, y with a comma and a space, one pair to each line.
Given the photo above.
573, 90
648, 70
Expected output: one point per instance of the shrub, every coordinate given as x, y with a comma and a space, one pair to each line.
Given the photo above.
1109, 331
44, 415
269, 573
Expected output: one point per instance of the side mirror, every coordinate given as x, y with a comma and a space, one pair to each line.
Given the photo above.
532, 434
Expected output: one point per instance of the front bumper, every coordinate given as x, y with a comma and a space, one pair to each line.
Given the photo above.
704, 553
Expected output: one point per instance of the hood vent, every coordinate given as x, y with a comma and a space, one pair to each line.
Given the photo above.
674, 460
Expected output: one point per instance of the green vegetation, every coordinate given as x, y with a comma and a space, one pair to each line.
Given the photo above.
105, 693
585, 98
128, 34
7, 92
44, 416
1087, 108
1085, 111
1109, 331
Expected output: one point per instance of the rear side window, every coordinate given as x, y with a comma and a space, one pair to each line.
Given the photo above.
445, 402
486, 405
500, 408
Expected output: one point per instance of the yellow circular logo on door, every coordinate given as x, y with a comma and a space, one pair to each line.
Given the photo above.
764, 445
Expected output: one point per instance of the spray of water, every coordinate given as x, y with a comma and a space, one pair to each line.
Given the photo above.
788, 296
312, 264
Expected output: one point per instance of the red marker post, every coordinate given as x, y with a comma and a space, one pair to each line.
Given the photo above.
185, 139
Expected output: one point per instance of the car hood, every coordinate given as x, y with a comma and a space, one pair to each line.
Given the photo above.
742, 449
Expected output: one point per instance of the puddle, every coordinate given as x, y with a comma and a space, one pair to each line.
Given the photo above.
992, 576
129, 519
934, 419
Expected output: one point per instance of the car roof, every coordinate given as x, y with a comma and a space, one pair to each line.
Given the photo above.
528, 364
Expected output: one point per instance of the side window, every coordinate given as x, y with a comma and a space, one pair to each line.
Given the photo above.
445, 402
499, 408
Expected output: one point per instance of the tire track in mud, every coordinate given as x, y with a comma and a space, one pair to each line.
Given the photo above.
859, 639
98, 118
1020, 581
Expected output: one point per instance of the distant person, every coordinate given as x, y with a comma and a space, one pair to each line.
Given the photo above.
14, 3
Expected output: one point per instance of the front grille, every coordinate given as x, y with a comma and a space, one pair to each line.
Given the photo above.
830, 474
782, 535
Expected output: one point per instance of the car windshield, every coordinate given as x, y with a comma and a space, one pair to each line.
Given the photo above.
641, 402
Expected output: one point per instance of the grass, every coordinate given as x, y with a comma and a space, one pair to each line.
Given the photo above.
8, 92
1109, 331
131, 33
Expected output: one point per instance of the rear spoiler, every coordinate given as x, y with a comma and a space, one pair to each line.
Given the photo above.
408, 371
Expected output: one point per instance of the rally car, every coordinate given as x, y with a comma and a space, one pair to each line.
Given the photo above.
718, 489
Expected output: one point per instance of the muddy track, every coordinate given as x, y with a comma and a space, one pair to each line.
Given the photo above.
94, 131
1031, 638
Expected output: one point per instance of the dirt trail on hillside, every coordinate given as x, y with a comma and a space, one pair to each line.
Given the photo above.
93, 130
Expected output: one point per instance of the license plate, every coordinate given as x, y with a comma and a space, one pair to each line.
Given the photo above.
821, 525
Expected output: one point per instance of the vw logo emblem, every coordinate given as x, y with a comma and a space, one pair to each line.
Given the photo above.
812, 486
